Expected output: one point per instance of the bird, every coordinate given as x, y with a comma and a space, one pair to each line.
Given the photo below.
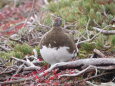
56, 45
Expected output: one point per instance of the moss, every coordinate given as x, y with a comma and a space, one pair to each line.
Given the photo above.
88, 47
38, 50
24, 48
101, 41
113, 50
12, 43
81, 10
76, 12
57, 6
82, 21
113, 41
99, 17
82, 54
68, 15
110, 8
48, 20
6, 55
19, 51
18, 55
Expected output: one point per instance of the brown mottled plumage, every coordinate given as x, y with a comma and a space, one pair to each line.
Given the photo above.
56, 39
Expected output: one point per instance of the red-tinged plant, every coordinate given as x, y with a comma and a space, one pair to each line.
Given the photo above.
52, 77
34, 72
13, 15
56, 84
2, 16
17, 75
6, 26
40, 59
20, 26
28, 5
47, 81
36, 77
45, 73
58, 75
55, 71
11, 32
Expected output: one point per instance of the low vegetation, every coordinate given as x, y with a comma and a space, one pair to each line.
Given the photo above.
80, 17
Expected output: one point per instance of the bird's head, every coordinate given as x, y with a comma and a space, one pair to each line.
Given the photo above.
57, 22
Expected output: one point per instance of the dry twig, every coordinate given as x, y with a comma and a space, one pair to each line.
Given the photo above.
99, 53
106, 32
83, 63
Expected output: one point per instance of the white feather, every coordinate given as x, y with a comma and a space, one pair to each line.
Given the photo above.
54, 55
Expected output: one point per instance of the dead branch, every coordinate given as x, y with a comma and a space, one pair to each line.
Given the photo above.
18, 70
31, 68
30, 65
46, 2
4, 48
21, 60
106, 32
18, 41
8, 70
106, 67
88, 38
12, 27
16, 81
95, 76
82, 63
81, 72
99, 53
90, 63
68, 26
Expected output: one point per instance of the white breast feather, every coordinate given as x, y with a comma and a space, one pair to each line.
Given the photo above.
53, 55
